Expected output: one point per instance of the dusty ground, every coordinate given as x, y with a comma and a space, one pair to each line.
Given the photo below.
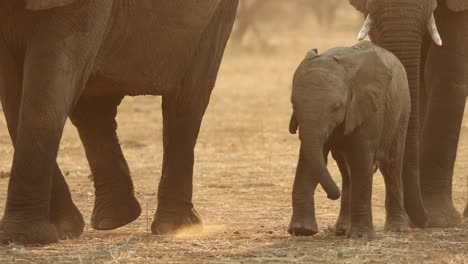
245, 162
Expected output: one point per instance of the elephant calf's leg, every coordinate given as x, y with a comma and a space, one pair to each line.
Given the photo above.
397, 219
361, 163
303, 220
342, 223
392, 168
115, 203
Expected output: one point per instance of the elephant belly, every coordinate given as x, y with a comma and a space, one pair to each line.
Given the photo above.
150, 44
98, 85
155, 71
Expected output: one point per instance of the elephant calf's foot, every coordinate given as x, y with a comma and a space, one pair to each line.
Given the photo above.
341, 227
397, 225
441, 213
17, 230
365, 232
303, 226
110, 212
175, 220
69, 223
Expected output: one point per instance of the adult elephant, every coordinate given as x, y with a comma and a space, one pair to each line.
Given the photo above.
438, 78
79, 58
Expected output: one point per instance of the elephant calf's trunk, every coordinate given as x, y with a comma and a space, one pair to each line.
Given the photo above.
320, 173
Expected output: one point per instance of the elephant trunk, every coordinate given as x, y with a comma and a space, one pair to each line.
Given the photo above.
314, 158
403, 37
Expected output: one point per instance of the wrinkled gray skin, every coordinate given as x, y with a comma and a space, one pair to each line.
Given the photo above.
438, 82
78, 59
355, 102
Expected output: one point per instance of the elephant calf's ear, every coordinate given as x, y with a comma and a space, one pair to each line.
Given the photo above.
293, 125
457, 5
369, 86
47, 4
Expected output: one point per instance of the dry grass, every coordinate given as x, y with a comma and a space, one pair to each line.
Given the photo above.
244, 169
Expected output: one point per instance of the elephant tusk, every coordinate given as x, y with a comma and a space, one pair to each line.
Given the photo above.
432, 28
365, 28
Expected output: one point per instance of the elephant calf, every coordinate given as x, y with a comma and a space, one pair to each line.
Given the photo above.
354, 102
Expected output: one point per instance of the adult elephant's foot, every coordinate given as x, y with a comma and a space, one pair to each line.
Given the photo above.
341, 226
361, 231
397, 224
465, 214
34, 232
114, 211
175, 219
441, 212
64, 215
303, 225
68, 221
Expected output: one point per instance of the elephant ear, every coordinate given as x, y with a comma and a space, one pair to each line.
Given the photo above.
371, 77
47, 4
311, 54
360, 5
457, 5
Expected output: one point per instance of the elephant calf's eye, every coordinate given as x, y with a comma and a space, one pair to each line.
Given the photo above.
336, 107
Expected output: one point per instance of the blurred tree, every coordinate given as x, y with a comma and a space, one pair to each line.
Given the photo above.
247, 12
254, 15
325, 11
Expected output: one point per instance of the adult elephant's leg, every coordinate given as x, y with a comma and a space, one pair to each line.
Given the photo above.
56, 68
465, 213
182, 113
181, 126
64, 215
342, 223
115, 203
40, 126
446, 77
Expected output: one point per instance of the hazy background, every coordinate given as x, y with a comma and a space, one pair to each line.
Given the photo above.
274, 24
